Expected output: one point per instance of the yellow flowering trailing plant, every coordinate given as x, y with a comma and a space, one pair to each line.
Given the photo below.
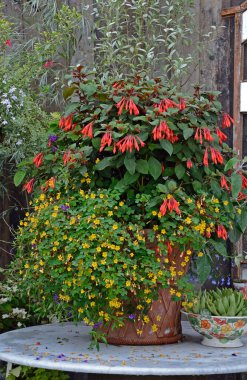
132, 175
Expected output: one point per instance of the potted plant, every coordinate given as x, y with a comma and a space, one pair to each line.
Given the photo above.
220, 316
135, 179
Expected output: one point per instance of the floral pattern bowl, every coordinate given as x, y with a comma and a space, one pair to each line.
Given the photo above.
219, 331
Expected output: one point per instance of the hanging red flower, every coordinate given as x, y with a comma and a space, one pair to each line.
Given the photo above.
227, 121
38, 159
221, 135
221, 232
29, 186
106, 140
128, 143
87, 131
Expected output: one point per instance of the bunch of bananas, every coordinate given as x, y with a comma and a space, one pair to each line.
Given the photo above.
219, 302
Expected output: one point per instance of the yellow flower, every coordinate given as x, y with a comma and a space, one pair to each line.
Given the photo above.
54, 214
239, 211
98, 249
80, 310
154, 328
121, 204
154, 213
41, 263
94, 264
189, 200
82, 291
128, 283
27, 266
189, 252
155, 228
158, 318
200, 254
97, 160
217, 209
110, 213
92, 278
163, 231
188, 220
146, 319
178, 294
225, 203
115, 227
139, 332
172, 291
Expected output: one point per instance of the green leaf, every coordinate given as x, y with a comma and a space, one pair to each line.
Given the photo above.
107, 161
16, 371
130, 164
230, 164
215, 188
243, 221
154, 167
188, 132
19, 177
142, 166
70, 108
167, 146
129, 179
180, 171
89, 89
96, 142
162, 188
203, 268
219, 247
234, 234
236, 181
172, 185
68, 91
197, 186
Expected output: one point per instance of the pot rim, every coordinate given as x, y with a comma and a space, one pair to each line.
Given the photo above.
214, 316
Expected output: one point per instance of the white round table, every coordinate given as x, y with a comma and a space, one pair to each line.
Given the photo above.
64, 346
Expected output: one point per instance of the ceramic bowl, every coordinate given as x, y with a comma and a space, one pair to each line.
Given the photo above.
219, 331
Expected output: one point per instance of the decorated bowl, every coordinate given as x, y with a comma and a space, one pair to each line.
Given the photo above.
219, 331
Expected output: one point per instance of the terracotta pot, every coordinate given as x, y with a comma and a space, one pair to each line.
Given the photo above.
164, 313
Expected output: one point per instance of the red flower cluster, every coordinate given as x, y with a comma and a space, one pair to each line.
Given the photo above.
29, 186
215, 155
221, 232
162, 131
221, 135
106, 140
87, 131
223, 183
8, 43
182, 104
129, 105
189, 164
165, 104
49, 184
67, 158
38, 159
203, 133
170, 204
128, 143
49, 64
227, 121
66, 123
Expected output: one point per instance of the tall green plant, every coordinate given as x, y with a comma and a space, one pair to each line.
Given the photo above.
144, 35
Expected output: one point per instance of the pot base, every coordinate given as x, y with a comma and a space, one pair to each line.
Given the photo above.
214, 342
132, 341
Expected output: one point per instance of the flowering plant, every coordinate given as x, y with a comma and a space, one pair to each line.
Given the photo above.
130, 163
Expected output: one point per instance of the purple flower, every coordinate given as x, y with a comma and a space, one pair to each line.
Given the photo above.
132, 316
56, 298
53, 149
52, 138
96, 325
64, 207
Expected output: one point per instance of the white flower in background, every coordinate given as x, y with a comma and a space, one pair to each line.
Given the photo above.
4, 300
12, 89
4, 316
19, 324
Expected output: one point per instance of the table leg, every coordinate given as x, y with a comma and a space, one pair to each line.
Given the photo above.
9, 368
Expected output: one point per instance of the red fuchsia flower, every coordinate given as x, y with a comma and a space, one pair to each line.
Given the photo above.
170, 204
227, 121
241, 196
169, 248
8, 43
189, 164
48, 64
205, 157
49, 184
119, 84
221, 135
221, 232
66, 123
106, 140
216, 156
129, 105
38, 159
244, 181
165, 104
223, 183
87, 131
182, 104
67, 158
198, 135
162, 131
207, 135
29, 186
128, 143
